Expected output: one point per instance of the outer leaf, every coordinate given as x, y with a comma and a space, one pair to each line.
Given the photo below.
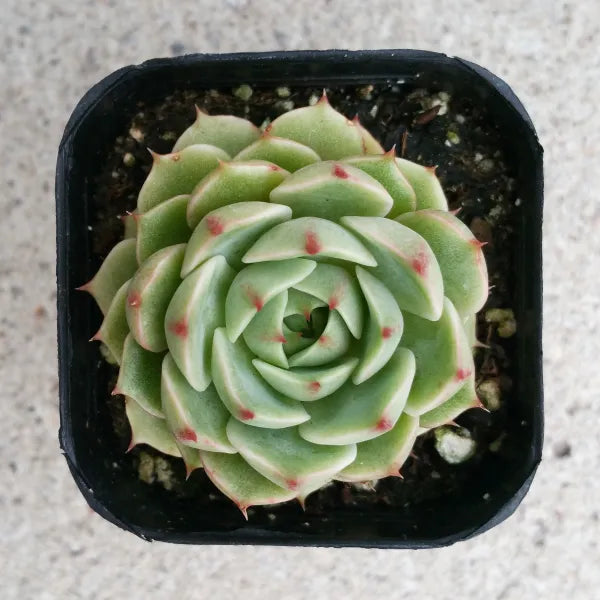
331, 190
405, 262
196, 309
335, 286
383, 456
147, 429
384, 329
264, 334
139, 377
177, 173
149, 294
444, 360
385, 170
117, 268
243, 390
162, 226
308, 236
306, 384
321, 128
463, 400
424, 181
114, 328
285, 458
459, 255
197, 419
255, 285
241, 483
289, 155
224, 131
230, 230
333, 343
356, 413
250, 181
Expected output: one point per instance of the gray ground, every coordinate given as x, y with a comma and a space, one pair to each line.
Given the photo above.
53, 546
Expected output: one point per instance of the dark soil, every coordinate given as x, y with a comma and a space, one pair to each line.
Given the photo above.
459, 138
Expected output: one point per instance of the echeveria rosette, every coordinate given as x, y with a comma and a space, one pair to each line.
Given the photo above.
295, 306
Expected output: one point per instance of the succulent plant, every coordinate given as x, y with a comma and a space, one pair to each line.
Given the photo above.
290, 307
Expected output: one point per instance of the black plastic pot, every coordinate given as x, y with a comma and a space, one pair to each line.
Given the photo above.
86, 433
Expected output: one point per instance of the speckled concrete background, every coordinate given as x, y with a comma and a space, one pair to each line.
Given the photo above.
52, 545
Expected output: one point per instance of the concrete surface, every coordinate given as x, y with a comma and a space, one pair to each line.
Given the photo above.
52, 545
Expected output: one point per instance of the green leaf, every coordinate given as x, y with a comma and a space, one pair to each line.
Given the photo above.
195, 310
356, 413
331, 190
230, 230
118, 267
285, 458
197, 419
162, 226
289, 155
177, 173
444, 359
149, 294
245, 393
458, 254
255, 285
424, 182
306, 384
308, 237
227, 132
384, 328
463, 400
383, 456
405, 262
114, 328
139, 377
232, 182
148, 429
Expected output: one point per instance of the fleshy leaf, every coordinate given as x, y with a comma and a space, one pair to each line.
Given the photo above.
356, 413
288, 154
444, 359
333, 343
285, 458
331, 190
306, 384
294, 342
139, 377
162, 226
118, 267
255, 285
148, 429
300, 303
308, 237
191, 458
463, 400
322, 128
177, 173
196, 309
114, 328
264, 334
227, 132
244, 392
383, 456
405, 262
149, 294
197, 419
241, 483
459, 255
249, 181
230, 230
424, 182
385, 170
384, 328
336, 287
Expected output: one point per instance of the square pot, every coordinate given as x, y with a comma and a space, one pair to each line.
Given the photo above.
86, 433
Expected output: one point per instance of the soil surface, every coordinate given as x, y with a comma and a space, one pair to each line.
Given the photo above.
427, 126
